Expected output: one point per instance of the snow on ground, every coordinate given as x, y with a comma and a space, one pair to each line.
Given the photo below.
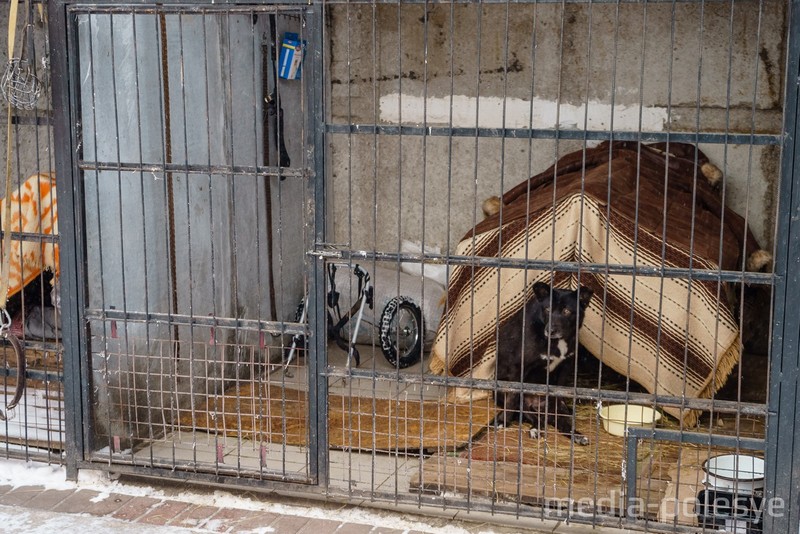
18, 473
17, 520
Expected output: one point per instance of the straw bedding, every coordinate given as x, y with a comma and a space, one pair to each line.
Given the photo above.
270, 413
618, 204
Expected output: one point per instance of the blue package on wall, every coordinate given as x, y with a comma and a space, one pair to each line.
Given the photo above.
291, 57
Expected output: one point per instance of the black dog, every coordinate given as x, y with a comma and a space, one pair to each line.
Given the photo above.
532, 344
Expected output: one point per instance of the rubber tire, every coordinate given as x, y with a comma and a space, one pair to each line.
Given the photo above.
402, 307
298, 313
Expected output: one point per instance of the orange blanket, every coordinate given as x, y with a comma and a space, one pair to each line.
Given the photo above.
33, 211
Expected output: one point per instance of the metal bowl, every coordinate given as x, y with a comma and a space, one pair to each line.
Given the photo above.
618, 417
740, 472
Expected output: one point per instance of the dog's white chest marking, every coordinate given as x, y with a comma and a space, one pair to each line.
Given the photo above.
555, 360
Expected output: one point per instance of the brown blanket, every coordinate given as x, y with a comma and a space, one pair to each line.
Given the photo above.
674, 336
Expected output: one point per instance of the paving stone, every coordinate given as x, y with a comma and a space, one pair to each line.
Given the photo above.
77, 503
320, 526
354, 528
289, 524
256, 523
227, 518
135, 508
5, 489
194, 516
384, 530
49, 499
91, 502
163, 513
21, 496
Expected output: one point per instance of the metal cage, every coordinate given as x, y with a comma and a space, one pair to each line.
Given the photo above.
32, 425
305, 244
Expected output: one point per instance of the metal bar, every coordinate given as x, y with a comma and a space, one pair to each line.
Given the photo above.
631, 447
316, 213
95, 314
192, 169
33, 374
591, 394
782, 451
35, 120
217, 474
62, 29
490, 2
104, 5
36, 238
697, 438
561, 266
549, 133
170, 7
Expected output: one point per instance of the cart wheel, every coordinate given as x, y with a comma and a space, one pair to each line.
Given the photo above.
401, 332
298, 340
298, 313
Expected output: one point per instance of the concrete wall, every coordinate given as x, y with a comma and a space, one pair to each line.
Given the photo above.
703, 67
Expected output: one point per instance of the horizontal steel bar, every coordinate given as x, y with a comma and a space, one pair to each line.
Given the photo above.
140, 7
34, 374
254, 325
222, 170
549, 133
395, 2
32, 120
696, 438
218, 474
562, 266
172, 4
27, 236
589, 394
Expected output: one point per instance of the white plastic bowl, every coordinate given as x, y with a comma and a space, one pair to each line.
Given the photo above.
741, 472
617, 417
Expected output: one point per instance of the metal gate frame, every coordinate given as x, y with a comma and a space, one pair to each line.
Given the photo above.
67, 132
783, 432
782, 445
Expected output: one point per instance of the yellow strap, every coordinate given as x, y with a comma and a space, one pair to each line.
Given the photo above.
6, 265
12, 27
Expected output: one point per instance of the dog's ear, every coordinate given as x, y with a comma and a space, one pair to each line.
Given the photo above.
541, 290
585, 296
491, 206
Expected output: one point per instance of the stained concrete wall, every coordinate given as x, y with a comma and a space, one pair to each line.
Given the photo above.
702, 67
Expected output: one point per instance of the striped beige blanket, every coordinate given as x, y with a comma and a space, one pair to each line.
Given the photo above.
674, 336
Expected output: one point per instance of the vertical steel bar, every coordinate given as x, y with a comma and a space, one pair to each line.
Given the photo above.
782, 445
631, 449
64, 68
142, 206
316, 212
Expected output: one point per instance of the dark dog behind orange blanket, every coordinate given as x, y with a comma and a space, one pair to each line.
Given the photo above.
532, 344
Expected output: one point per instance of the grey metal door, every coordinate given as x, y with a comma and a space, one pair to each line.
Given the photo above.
189, 156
